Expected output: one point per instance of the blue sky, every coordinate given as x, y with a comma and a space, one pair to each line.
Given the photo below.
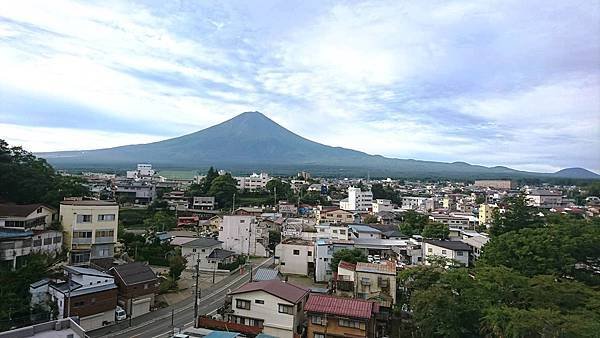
513, 83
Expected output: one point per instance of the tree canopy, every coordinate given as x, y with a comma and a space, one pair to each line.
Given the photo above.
347, 255
24, 178
223, 188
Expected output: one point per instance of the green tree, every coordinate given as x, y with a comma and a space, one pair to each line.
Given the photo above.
274, 239
517, 216
211, 174
413, 223
223, 188
161, 221
284, 190
371, 219
347, 255
436, 231
177, 264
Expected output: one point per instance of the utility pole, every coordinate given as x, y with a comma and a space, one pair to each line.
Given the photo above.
196, 292
130, 310
214, 270
275, 206
233, 205
69, 295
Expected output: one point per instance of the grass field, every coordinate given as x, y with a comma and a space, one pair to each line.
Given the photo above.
180, 174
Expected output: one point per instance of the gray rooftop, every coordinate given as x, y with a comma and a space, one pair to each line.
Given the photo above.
265, 274
204, 242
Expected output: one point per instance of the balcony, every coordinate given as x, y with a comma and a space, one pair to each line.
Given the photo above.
345, 285
102, 240
86, 241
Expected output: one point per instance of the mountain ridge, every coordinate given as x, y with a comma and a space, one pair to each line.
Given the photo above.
253, 140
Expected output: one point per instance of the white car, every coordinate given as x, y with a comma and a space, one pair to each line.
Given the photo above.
120, 314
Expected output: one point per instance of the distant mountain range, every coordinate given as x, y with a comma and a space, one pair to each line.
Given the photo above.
251, 141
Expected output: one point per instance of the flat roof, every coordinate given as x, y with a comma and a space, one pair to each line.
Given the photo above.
90, 203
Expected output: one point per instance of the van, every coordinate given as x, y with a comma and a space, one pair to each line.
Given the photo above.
120, 314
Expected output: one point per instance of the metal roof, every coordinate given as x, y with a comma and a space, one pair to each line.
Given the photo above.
134, 273
20, 210
204, 242
451, 245
275, 287
265, 274
348, 307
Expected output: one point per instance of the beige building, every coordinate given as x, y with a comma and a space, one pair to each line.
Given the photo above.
376, 282
486, 213
295, 256
496, 184
334, 216
89, 229
273, 305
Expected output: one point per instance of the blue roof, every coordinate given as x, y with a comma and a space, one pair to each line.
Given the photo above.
6, 233
264, 335
222, 334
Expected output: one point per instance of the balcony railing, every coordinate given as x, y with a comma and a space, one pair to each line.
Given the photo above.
82, 241
100, 240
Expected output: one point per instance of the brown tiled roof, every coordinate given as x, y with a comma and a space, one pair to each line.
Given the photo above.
275, 287
349, 307
387, 267
347, 266
20, 210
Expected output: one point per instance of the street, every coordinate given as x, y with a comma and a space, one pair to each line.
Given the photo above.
158, 323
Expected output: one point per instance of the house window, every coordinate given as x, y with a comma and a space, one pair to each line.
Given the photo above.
429, 250
443, 252
57, 239
342, 232
316, 320
296, 252
319, 335
84, 218
335, 231
349, 323
309, 253
259, 301
242, 304
105, 233
193, 250
459, 253
289, 309
282, 263
39, 210
48, 241
106, 217
82, 234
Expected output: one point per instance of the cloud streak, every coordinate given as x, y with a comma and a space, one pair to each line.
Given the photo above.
488, 82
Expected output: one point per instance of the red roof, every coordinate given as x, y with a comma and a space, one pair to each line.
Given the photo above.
284, 290
214, 324
356, 308
347, 266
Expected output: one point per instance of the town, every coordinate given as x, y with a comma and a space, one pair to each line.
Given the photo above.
140, 254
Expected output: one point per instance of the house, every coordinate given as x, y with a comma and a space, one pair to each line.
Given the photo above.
453, 250
248, 211
380, 205
26, 216
274, 305
214, 224
324, 250
451, 221
67, 327
287, 209
87, 293
357, 200
333, 231
364, 231
203, 203
343, 282
330, 316
376, 282
295, 256
333, 215
266, 274
221, 256
89, 229
137, 284
197, 252
244, 236
17, 244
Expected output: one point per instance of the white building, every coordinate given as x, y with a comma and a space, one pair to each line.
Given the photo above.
243, 235
26, 216
333, 231
87, 293
143, 171
324, 250
382, 205
454, 250
273, 305
357, 200
544, 199
197, 251
203, 203
418, 203
295, 256
253, 182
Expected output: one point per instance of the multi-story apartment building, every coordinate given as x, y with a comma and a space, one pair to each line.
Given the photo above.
273, 305
244, 235
203, 203
142, 171
486, 213
418, 203
329, 316
295, 256
357, 200
90, 229
253, 182
137, 192
376, 281
544, 198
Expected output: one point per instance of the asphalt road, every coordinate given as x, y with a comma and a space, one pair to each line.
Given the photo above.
157, 324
